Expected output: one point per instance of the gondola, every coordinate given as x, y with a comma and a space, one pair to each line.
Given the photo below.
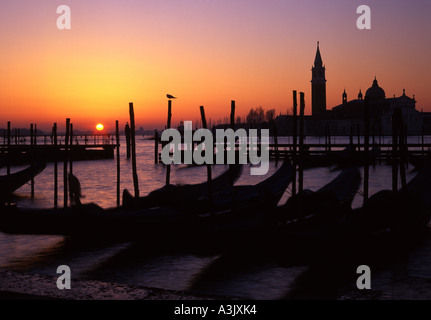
156, 223
387, 225
419, 161
350, 156
309, 209
339, 159
305, 210
266, 194
179, 195
402, 213
12, 182
195, 199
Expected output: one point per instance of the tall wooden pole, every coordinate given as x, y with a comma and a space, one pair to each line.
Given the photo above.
31, 134
35, 134
54, 133
232, 115
232, 126
209, 174
66, 154
301, 142
127, 135
395, 151
168, 126
402, 149
366, 147
133, 147
156, 147
117, 136
70, 148
8, 148
275, 133
32, 143
294, 135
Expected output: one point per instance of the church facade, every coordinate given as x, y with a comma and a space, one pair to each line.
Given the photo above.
348, 117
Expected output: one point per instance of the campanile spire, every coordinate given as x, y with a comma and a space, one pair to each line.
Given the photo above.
318, 85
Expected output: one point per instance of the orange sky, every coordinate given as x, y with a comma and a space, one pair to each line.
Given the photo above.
205, 52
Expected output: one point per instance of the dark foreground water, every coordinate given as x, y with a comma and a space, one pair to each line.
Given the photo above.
243, 274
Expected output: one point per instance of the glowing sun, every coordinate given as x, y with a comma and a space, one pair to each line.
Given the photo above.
99, 127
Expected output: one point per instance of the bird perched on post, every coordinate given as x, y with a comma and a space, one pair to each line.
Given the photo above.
170, 96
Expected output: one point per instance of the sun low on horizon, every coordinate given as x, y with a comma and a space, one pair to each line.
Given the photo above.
205, 53
100, 127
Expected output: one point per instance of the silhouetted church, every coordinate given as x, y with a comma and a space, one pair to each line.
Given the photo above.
348, 117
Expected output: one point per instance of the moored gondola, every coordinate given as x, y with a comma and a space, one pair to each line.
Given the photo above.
163, 223
310, 209
388, 225
12, 182
305, 210
177, 195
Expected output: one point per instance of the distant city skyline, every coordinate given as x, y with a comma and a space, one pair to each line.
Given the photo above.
204, 53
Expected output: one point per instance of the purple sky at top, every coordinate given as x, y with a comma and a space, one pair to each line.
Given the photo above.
222, 49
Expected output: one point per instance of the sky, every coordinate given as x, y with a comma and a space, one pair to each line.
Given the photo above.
205, 52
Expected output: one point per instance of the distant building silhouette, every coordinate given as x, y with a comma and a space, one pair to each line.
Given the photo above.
318, 85
348, 117
381, 111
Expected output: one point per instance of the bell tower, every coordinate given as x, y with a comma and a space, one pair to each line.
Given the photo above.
318, 85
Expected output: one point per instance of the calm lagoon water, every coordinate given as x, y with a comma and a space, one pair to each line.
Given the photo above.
139, 264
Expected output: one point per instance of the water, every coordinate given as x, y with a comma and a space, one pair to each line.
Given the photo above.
238, 274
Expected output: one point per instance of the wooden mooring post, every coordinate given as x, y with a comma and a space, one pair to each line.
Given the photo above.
232, 115
232, 126
127, 135
156, 147
294, 142
32, 143
168, 126
301, 142
70, 147
209, 174
275, 135
133, 149
117, 140
366, 147
54, 135
394, 152
66, 156
402, 149
8, 149
31, 135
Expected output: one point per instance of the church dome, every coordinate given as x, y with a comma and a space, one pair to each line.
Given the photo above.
375, 92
